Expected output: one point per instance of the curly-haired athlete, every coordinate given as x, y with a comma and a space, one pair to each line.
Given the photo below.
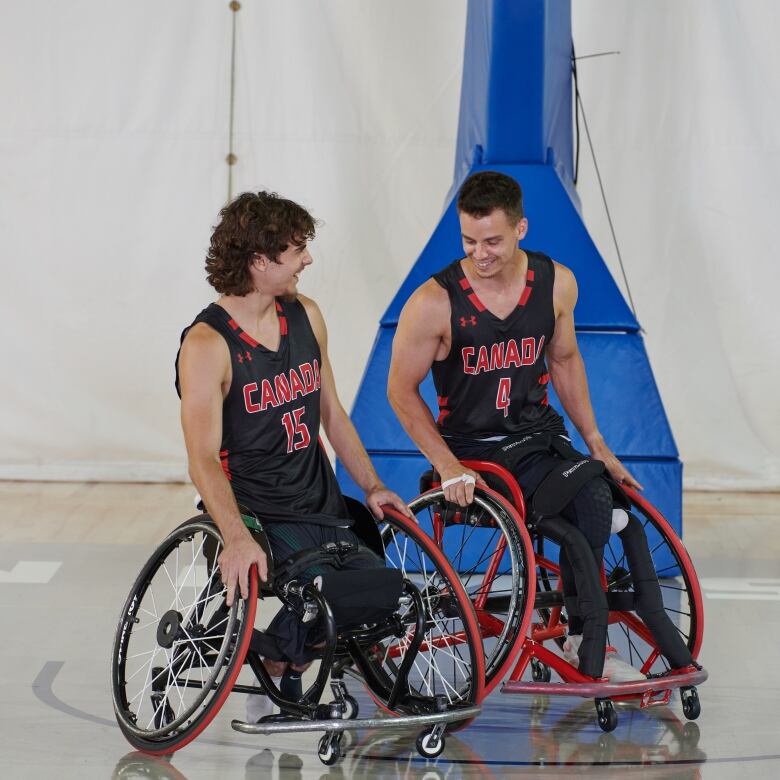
494, 328
255, 384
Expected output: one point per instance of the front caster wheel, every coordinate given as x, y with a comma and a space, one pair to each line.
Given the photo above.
607, 717
429, 744
329, 749
690, 702
539, 671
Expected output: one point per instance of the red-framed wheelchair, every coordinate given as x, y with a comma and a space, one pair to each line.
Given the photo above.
509, 568
179, 649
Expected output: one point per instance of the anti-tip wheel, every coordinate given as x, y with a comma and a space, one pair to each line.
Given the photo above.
429, 745
607, 717
329, 749
690, 703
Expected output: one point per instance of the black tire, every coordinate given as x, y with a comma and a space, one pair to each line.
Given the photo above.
540, 672
449, 670
690, 702
470, 538
352, 708
329, 748
426, 747
178, 649
606, 715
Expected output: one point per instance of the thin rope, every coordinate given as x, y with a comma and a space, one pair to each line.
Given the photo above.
231, 158
606, 205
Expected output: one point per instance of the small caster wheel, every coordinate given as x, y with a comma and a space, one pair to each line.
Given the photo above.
429, 745
539, 671
351, 708
690, 702
329, 749
607, 717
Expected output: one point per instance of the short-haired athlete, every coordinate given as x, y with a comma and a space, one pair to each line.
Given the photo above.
255, 384
495, 327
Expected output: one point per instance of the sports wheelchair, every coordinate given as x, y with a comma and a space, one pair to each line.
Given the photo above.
179, 649
507, 560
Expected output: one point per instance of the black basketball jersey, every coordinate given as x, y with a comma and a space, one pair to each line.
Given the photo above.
494, 380
271, 421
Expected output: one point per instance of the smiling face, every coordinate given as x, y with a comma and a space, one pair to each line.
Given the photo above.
490, 242
280, 278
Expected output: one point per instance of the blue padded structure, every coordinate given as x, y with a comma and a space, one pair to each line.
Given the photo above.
516, 117
625, 399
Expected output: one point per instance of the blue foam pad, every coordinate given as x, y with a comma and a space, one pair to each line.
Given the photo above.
625, 398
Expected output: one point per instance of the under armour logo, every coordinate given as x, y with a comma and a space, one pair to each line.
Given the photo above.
247, 355
468, 321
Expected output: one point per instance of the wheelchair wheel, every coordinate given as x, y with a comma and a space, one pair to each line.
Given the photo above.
449, 668
627, 633
489, 547
178, 648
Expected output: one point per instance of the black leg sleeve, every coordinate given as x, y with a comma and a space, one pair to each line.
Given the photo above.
649, 602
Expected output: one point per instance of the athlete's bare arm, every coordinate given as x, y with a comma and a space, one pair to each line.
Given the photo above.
205, 373
567, 372
422, 336
340, 430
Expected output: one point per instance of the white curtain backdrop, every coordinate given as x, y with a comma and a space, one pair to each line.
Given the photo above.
113, 137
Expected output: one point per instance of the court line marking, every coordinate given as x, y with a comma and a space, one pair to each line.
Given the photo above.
30, 573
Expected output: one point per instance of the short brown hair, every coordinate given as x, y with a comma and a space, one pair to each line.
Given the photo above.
484, 192
253, 223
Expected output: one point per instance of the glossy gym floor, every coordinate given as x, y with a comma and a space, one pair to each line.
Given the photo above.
71, 551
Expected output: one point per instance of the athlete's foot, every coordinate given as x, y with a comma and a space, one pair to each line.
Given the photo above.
616, 670
571, 647
258, 706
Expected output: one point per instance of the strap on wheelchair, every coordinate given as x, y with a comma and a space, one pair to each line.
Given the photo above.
331, 554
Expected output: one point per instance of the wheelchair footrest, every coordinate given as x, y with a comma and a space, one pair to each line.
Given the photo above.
337, 724
603, 689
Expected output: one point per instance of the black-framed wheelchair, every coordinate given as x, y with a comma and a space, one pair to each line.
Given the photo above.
508, 564
178, 648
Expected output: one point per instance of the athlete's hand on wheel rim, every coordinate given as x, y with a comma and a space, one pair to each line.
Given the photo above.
458, 490
381, 495
235, 561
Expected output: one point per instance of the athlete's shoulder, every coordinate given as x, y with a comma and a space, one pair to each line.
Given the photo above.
449, 275
429, 295
565, 286
203, 339
314, 315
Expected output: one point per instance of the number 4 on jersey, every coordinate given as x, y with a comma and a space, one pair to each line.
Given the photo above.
298, 437
502, 399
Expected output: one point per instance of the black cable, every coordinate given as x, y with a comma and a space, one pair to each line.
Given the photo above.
579, 107
576, 116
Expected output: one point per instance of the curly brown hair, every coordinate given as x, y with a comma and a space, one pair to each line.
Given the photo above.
253, 223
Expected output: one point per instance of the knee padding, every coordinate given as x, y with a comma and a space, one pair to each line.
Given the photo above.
590, 603
648, 600
591, 512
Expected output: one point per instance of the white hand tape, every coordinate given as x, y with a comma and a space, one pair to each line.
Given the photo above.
467, 478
